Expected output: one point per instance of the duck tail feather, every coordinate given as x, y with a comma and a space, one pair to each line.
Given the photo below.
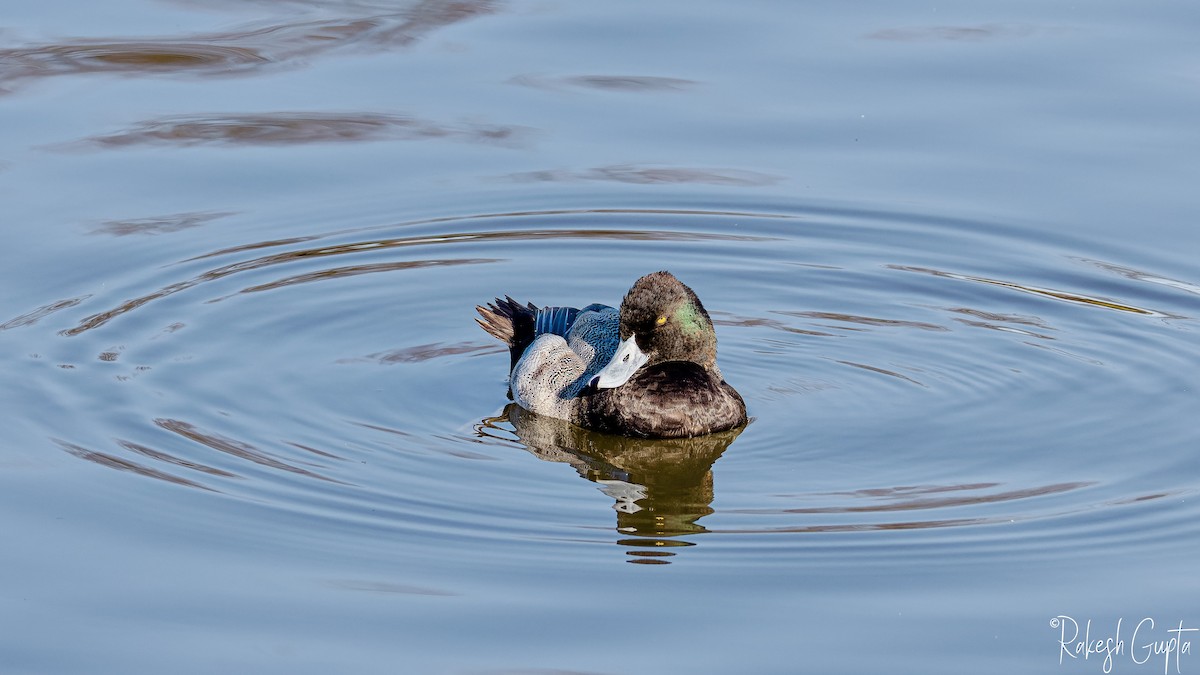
511, 323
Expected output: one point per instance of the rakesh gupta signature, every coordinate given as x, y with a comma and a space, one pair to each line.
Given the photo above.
1144, 645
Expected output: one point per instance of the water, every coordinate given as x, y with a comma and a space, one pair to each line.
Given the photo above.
251, 425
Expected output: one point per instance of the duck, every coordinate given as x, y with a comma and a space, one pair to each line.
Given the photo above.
648, 369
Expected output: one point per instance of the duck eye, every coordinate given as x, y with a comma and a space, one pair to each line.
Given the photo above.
660, 321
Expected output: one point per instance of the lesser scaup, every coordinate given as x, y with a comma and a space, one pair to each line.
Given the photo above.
649, 369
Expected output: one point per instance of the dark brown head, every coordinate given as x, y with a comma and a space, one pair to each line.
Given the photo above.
668, 320
661, 320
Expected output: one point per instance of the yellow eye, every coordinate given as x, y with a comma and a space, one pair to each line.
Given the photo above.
661, 320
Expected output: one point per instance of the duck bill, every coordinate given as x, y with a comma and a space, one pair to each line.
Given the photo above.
622, 366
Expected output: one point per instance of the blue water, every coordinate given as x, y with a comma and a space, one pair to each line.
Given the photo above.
252, 427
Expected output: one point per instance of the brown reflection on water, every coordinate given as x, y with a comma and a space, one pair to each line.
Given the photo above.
660, 488
203, 55
864, 320
883, 371
626, 83
917, 497
1003, 322
33, 316
977, 33
727, 319
160, 456
288, 43
427, 352
214, 441
1138, 275
295, 128
1044, 292
160, 225
646, 175
121, 464
254, 246
386, 587
904, 499
355, 270
236, 448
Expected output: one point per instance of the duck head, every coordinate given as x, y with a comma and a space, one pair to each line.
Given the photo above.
661, 320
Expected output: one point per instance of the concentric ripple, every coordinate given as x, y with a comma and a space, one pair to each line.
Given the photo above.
898, 383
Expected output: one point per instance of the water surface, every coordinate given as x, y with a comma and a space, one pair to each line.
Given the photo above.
253, 427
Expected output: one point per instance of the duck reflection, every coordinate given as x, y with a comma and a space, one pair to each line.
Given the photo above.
660, 488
